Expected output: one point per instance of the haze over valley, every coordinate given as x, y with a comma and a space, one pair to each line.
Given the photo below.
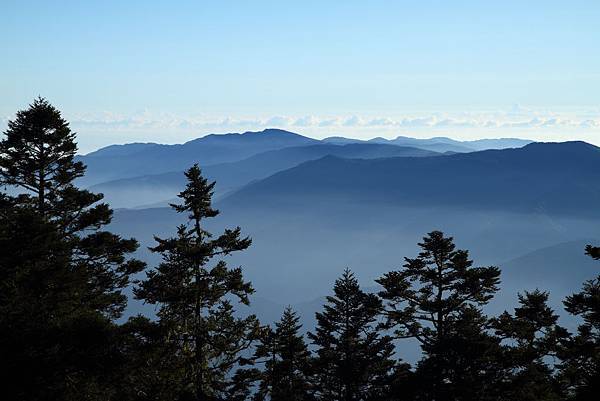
315, 207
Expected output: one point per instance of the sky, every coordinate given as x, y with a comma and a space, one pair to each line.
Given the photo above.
149, 71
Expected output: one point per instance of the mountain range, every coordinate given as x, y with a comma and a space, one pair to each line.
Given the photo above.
554, 178
316, 208
138, 159
441, 144
141, 174
136, 191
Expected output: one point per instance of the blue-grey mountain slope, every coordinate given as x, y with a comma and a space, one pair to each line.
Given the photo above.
134, 160
441, 144
132, 192
552, 178
140, 159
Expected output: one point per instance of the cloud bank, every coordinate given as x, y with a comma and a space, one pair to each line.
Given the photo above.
100, 129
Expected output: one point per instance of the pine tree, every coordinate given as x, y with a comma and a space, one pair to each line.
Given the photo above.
353, 360
37, 157
593, 251
531, 336
149, 370
580, 354
463, 364
286, 362
61, 275
195, 301
436, 299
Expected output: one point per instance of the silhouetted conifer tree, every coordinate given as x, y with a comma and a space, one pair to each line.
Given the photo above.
464, 363
61, 275
286, 362
195, 301
436, 298
149, 370
593, 251
580, 354
353, 359
531, 335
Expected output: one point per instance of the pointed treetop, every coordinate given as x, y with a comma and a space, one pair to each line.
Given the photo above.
38, 149
197, 196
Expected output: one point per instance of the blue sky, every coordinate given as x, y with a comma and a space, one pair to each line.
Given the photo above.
169, 71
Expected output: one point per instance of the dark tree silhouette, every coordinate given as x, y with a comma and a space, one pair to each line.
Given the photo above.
580, 354
436, 298
463, 364
286, 362
593, 251
150, 369
353, 359
61, 275
195, 301
531, 335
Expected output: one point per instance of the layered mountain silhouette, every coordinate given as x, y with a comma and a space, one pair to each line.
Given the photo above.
441, 144
133, 160
311, 221
141, 159
136, 191
550, 178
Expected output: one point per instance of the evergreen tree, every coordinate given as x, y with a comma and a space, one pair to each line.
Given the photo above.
464, 363
150, 370
37, 157
353, 360
286, 362
593, 251
531, 336
437, 298
580, 354
61, 275
195, 301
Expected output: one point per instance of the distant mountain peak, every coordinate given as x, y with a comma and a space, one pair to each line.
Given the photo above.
569, 146
268, 133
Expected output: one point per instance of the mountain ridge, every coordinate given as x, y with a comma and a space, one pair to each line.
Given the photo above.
124, 192
117, 162
536, 176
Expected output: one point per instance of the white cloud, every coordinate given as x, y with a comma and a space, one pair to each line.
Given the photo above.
103, 128
279, 121
306, 121
418, 122
590, 124
354, 121
145, 121
382, 122
330, 122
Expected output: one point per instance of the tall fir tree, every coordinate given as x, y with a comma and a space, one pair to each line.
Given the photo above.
437, 298
61, 275
353, 359
195, 301
531, 336
37, 157
580, 354
286, 359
